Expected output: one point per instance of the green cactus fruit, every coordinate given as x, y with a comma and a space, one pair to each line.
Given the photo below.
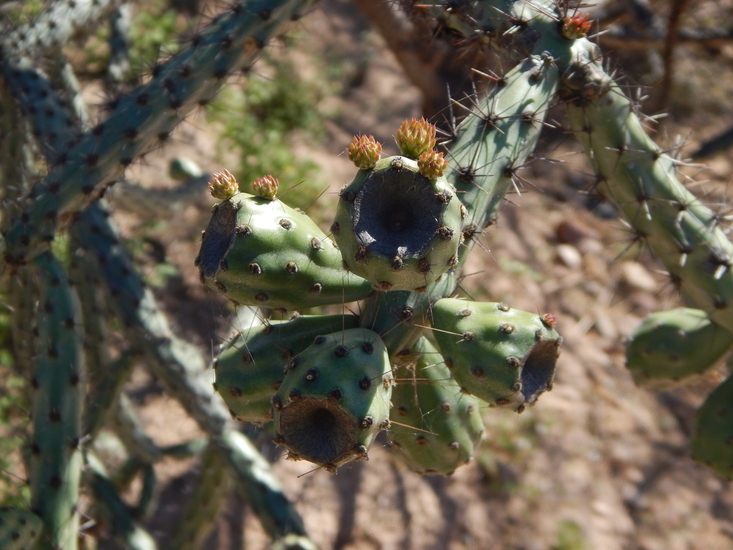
249, 369
415, 137
501, 355
334, 399
435, 428
712, 438
19, 529
671, 348
258, 251
397, 228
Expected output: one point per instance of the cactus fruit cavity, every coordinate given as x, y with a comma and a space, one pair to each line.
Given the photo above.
501, 355
249, 369
435, 427
19, 529
670, 348
712, 437
335, 398
259, 251
398, 228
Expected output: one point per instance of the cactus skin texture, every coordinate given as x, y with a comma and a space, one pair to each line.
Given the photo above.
671, 348
435, 428
335, 399
712, 437
640, 179
261, 252
397, 228
250, 368
501, 355
19, 529
58, 397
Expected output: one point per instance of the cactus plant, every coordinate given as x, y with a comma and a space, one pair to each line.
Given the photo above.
18, 528
404, 227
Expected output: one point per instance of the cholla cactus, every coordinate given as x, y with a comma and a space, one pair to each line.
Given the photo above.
401, 235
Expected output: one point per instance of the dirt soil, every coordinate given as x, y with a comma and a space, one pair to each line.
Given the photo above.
598, 463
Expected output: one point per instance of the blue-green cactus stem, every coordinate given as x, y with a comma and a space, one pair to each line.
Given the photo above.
180, 366
249, 369
712, 437
110, 509
104, 389
192, 77
120, 24
203, 502
334, 399
129, 428
670, 348
40, 103
19, 529
396, 227
260, 487
501, 355
258, 251
58, 396
53, 27
435, 427
641, 180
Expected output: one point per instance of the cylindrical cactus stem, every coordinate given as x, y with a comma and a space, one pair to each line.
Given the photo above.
189, 78
178, 365
204, 501
670, 348
259, 251
501, 355
112, 510
53, 27
38, 100
250, 368
640, 179
435, 427
104, 389
260, 487
397, 225
19, 529
58, 397
334, 399
120, 24
712, 437
128, 427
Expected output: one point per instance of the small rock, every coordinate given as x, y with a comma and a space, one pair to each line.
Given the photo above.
569, 255
636, 275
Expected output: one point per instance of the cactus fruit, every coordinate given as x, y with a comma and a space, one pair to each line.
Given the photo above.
249, 369
19, 529
261, 252
396, 227
334, 399
670, 348
501, 355
415, 137
223, 185
435, 428
712, 437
